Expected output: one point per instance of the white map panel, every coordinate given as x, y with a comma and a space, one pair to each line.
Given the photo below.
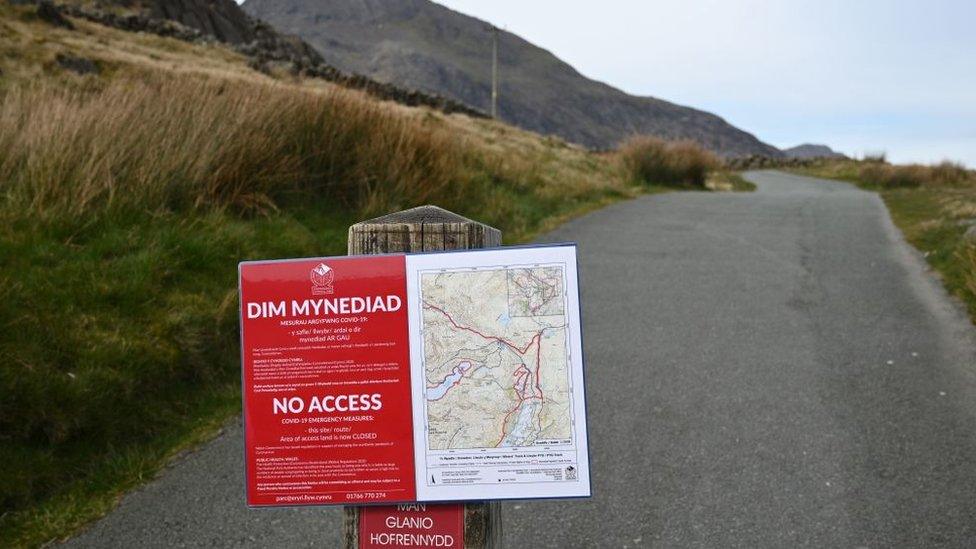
498, 387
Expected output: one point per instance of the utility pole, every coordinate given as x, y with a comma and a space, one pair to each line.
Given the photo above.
494, 70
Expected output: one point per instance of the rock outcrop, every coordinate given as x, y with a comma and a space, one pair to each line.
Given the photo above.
80, 65
222, 19
49, 13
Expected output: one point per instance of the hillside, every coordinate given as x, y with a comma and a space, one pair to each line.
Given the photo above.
420, 44
267, 50
222, 19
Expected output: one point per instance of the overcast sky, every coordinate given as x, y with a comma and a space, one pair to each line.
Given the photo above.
858, 75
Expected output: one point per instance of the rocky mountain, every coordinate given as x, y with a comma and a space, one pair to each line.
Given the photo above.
423, 45
809, 150
225, 21
222, 19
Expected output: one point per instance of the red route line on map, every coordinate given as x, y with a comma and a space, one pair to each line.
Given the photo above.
522, 374
538, 359
472, 330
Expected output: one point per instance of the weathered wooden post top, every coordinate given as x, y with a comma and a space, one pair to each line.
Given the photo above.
421, 229
427, 229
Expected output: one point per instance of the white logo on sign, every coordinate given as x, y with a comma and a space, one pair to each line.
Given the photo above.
322, 277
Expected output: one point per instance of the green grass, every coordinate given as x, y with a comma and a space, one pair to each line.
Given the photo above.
725, 180
123, 351
121, 336
926, 218
121, 339
739, 184
122, 343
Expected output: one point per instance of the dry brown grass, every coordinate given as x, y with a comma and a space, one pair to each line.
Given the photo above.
151, 142
28, 48
651, 160
875, 172
193, 142
172, 125
914, 175
178, 124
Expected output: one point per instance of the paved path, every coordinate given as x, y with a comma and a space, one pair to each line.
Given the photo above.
772, 369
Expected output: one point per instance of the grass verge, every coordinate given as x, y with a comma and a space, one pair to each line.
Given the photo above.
934, 206
728, 181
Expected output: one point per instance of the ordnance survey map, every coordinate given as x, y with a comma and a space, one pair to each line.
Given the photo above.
498, 385
496, 357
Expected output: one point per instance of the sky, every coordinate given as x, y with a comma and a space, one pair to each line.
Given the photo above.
862, 76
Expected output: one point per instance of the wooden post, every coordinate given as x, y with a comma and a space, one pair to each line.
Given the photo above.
426, 229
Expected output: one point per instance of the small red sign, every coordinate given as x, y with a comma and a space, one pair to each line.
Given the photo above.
414, 525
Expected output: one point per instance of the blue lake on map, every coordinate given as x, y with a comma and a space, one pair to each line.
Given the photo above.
523, 430
435, 393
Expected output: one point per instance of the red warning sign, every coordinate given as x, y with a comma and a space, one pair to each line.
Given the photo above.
327, 409
414, 525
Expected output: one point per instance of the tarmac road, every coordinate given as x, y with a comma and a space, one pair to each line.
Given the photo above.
768, 369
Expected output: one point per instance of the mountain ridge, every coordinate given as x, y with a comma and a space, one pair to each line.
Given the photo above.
427, 46
812, 150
